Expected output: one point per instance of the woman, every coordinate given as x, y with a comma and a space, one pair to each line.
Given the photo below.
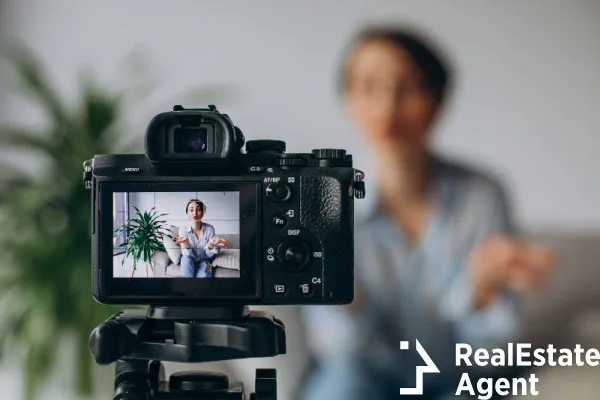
198, 243
438, 259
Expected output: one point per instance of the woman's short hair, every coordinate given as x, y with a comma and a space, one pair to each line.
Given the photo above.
198, 202
427, 58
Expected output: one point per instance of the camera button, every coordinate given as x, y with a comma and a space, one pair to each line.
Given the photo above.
278, 192
256, 169
306, 289
279, 221
279, 289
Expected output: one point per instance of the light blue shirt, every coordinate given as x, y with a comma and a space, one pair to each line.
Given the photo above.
198, 250
420, 291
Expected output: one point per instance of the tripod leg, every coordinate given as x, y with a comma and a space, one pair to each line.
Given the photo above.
265, 385
131, 380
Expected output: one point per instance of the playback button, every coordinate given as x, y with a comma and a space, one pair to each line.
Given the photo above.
279, 289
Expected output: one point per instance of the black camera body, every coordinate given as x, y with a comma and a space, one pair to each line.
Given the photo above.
292, 214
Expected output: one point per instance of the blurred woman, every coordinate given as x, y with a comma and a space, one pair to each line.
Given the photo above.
437, 259
198, 243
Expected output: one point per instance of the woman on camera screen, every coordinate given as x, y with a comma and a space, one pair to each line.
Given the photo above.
438, 259
198, 243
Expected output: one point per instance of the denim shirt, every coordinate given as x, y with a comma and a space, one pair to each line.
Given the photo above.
421, 291
198, 250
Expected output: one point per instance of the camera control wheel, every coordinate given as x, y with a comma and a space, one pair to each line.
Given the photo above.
278, 192
293, 254
329, 153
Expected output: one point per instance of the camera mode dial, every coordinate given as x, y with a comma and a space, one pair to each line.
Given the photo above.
291, 162
293, 254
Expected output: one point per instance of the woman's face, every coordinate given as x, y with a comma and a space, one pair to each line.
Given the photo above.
387, 98
194, 211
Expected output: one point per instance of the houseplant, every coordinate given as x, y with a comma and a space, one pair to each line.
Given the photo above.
144, 236
45, 254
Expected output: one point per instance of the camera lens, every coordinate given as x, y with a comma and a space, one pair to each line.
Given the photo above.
190, 140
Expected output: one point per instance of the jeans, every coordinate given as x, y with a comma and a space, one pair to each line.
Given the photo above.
191, 268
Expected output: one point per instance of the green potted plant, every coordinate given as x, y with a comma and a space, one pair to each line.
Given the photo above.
45, 240
144, 236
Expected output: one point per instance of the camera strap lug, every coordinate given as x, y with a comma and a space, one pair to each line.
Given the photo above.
87, 174
359, 184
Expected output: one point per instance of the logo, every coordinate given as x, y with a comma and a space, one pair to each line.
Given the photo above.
428, 368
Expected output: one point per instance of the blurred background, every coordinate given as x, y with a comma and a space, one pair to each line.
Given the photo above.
526, 102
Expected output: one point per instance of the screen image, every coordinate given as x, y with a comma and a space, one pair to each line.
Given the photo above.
189, 235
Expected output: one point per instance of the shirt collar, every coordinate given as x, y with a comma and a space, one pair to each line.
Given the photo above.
189, 227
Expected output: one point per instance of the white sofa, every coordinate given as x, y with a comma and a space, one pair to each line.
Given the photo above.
226, 264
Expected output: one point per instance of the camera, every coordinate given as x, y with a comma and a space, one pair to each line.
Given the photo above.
206, 218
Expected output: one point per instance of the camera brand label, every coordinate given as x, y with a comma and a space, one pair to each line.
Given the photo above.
132, 170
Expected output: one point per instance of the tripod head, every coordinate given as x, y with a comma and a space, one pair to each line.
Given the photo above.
138, 341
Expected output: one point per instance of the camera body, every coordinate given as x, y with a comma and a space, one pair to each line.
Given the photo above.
289, 218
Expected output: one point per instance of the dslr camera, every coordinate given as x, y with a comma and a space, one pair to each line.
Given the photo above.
199, 220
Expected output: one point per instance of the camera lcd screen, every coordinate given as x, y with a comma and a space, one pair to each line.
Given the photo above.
190, 140
176, 235
178, 242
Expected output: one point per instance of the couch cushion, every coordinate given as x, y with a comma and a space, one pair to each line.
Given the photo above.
172, 249
228, 258
160, 262
173, 271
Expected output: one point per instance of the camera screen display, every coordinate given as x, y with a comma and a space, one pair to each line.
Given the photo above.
190, 140
176, 234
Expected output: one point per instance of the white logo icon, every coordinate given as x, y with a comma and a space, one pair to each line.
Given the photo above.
290, 213
428, 368
291, 179
269, 169
270, 258
270, 250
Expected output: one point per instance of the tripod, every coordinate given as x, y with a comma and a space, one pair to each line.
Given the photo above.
137, 341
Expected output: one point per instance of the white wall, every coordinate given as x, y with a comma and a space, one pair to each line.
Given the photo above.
222, 208
527, 101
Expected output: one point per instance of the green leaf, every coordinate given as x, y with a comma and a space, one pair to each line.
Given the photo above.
45, 217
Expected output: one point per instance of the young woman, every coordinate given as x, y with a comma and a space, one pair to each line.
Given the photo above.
438, 259
198, 243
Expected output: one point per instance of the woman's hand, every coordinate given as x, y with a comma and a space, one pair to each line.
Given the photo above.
501, 262
182, 240
218, 242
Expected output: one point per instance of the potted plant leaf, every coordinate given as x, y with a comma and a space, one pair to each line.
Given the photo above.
45, 240
144, 236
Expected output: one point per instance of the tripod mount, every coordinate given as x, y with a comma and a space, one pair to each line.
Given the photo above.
137, 341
